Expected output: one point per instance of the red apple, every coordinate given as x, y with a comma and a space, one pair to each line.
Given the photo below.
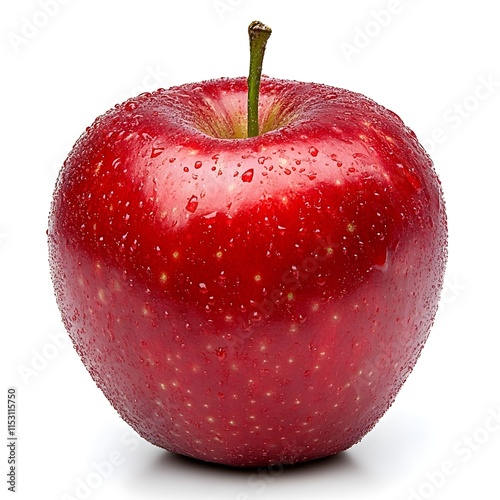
248, 300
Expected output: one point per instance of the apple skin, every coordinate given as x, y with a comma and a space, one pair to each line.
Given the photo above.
248, 301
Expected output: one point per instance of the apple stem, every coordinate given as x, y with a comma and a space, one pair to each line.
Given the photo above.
258, 33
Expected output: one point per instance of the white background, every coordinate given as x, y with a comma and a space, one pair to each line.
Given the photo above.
427, 60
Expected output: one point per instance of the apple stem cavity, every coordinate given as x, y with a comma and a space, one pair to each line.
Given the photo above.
258, 33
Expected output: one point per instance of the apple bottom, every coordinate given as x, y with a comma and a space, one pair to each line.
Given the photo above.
279, 392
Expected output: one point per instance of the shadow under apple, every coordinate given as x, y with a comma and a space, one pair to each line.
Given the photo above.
382, 461
191, 478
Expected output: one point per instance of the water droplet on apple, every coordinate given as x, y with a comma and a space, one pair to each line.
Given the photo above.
130, 106
247, 176
192, 204
198, 164
313, 151
411, 177
211, 215
246, 327
383, 261
321, 280
294, 272
203, 287
156, 152
220, 352
261, 160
